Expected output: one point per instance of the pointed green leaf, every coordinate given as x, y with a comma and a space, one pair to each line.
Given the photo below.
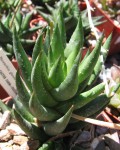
91, 110
29, 31
4, 107
40, 112
61, 26
45, 77
68, 88
86, 68
106, 45
50, 59
47, 41
57, 127
50, 9
71, 58
38, 47
75, 8
81, 100
22, 59
23, 92
22, 110
98, 65
83, 85
19, 17
30, 129
7, 20
56, 74
38, 87
47, 17
56, 44
26, 21
95, 106
77, 39
47, 146
5, 34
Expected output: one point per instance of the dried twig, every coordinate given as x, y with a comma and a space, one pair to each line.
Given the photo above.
16, 9
97, 122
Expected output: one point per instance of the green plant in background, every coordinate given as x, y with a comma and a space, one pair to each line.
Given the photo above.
56, 83
71, 14
6, 6
115, 100
21, 22
111, 6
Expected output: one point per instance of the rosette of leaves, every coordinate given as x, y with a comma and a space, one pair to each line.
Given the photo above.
57, 82
21, 22
71, 13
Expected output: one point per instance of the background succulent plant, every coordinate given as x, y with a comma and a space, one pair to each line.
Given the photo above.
71, 12
57, 82
6, 6
21, 22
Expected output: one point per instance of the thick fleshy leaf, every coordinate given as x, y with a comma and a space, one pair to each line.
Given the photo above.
26, 21
39, 89
98, 65
29, 31
81, 100
4, 107
23, 92
40, 112
46, 83
47, 17
86, 68
71, 58
50, 9
30, 129
37, 48
75, 8
19, 17
91, 110
97, 105
57, 127
56, 44
47, 41
68, 88
22, 59
61, 26
77, 39
22, 110
7, 19
5, 34
83, 85
47, 146
56, 74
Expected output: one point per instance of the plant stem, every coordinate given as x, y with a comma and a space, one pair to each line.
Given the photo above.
97, 122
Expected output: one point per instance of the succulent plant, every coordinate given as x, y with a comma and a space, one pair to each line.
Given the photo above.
56, 83
5, 6
71, 14
115, 100
21, 22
